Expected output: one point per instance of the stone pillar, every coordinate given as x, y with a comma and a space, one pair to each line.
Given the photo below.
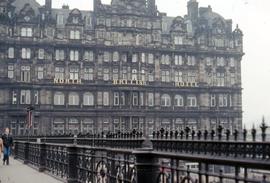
72, 173
42, 157
147, 164
26, 152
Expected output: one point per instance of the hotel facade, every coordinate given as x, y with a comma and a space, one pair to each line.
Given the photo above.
119, 67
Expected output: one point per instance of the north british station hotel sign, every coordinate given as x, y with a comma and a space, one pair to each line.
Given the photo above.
123, 82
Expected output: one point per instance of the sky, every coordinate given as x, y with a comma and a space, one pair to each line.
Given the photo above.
253, 17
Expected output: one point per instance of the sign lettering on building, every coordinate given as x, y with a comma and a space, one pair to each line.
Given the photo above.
129, 82
186, 84
67, 81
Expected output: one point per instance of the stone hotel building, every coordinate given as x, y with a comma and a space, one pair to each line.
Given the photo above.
119, 67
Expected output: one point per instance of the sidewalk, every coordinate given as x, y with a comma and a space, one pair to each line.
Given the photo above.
17, 172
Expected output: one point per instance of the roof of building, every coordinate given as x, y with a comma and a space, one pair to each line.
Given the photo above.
19, 5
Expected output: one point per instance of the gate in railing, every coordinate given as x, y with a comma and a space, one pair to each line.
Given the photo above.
168, 157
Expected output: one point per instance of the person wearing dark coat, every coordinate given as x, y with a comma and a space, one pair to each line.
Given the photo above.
8, 144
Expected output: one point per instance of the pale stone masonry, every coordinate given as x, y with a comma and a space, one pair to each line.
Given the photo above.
119, 67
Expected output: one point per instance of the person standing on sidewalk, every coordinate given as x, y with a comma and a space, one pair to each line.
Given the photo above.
8, 144
1, 147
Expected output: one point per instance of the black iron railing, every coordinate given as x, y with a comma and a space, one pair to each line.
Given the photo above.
165, 157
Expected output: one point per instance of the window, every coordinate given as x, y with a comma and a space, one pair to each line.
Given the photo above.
115, 74
150, 58
143, 75
58, 126
25, 73
88, 74
25, 97
11, 52
88, 56
41, 54
191, 77
75, 20
233, 79
60, 19
106, 56
59, 98
150, 99
10, 71
191, 101
36, 97
178, 101
26, 32
122, 98
74, 73
208, 61
40, 72
59, 54
178, 60
75, 34
124, 73
26, 53
88, 126
88, 99
115, 56
134, 74
141, 99
178, 40
116, 98
151, 76
106, 99
106, 74
143, 58
135, 99
165, 59
135, 58
14, 97
191, 60
165, 76
220, 79
73, 99
178, 76
73, 126
232, 62
59, 73
213, 100
223, 100
165, 100
220, 61
74, 55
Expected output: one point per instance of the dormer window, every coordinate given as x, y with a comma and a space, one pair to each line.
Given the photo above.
75, 20
75, 34
26, 32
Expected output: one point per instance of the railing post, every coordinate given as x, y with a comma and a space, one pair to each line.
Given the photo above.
72, 173
26, 152
147, 164
16, 151
42, 157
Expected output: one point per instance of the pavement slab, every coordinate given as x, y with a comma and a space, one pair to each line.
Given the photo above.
17, 172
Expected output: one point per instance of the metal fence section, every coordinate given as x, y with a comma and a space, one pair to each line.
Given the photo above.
165, 157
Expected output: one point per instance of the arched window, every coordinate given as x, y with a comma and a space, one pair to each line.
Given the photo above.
73, 99
59, 98
165, 100
88, 99
178, 101
192, 101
